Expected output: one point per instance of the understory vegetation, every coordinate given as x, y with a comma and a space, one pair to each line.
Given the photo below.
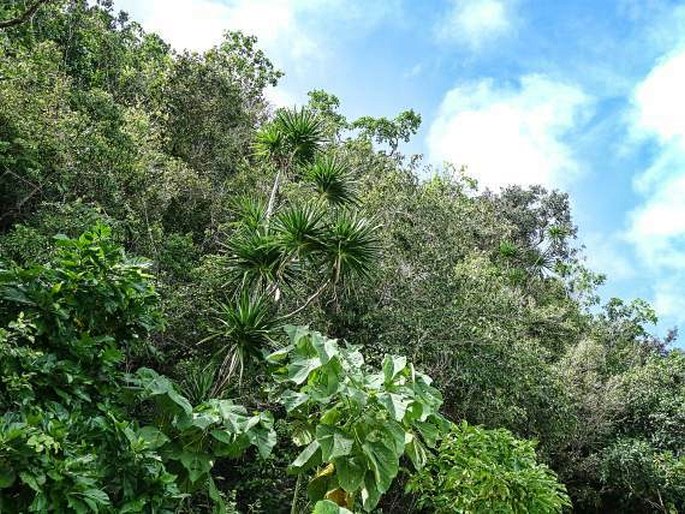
319, 323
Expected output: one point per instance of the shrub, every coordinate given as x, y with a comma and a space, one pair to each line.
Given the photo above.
477, 470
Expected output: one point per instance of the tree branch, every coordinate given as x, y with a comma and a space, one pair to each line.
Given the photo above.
306, 303
23, 17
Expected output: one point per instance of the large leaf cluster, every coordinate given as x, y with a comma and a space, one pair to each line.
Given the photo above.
191, 439
68, 327
355, 423
83, 315
638, 477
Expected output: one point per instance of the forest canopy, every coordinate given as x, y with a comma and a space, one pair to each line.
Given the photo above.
209, 304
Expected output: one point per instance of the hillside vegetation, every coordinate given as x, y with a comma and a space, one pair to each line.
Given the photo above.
211, 305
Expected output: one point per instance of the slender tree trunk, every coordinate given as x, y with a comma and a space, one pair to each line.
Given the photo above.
293, 508
272, 199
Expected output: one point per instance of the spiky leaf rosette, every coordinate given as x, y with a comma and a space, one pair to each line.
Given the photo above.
244, 332
303, 132
351, 246
295, 136
299, 229
256, 259
332, 180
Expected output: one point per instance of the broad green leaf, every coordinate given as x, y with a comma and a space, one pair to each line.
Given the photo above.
325, 348
394, 433
292, 400
279, 355
429, 396
397, 404
392, 366
383, 462
157, 385
298, 371
328, 507
332, 380
197, 464
202, 420
350, 472
354, 359
266, 419
153, 437
232, 446
264, 439
223, 436
416, 452
333, 442
295, 333
428, 431
308, 458
370, 492
331, 416
303, 434
319, 486
235, 416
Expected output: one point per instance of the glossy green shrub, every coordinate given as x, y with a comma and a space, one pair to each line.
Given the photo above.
486, 471
72, 438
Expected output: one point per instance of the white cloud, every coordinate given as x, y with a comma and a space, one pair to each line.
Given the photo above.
669, 299
510, 135
280, 97
414, 72
199, 24
474, 23
657, 226
658, 98
607, 254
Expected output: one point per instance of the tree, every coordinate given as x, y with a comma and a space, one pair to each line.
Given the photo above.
355, 423
313, 245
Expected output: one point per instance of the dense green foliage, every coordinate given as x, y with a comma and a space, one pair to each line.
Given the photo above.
69, 438
481, 471
355, 422
170, 384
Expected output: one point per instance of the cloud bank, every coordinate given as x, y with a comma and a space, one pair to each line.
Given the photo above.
510, 134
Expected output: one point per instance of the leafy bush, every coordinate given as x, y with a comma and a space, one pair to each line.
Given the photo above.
68, 437
66, 441
643, 479
355, 423
483, 471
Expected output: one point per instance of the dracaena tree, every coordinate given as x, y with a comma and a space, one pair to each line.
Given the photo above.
287, 251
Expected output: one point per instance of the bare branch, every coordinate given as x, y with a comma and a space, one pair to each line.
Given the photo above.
302, 307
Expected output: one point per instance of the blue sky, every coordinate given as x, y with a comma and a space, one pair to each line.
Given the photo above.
587, 96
